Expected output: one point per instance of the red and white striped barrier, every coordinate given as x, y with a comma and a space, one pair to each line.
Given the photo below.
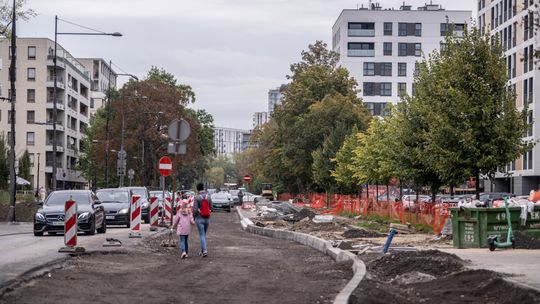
248, 205
70, 223
135, 224
168, 210
153, 213
70, 228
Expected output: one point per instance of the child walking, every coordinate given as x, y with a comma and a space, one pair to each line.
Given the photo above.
182, 224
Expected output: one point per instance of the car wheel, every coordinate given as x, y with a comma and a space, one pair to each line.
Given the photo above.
103, 227
92, 228
37, 233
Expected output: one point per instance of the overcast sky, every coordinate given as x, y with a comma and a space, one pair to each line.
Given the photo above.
230, 51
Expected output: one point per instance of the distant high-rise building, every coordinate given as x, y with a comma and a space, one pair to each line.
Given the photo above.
274, 97
101, 77
260, 118
228, 141
380, 48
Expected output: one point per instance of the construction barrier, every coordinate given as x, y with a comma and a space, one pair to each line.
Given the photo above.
135, 224
248, 205
168, 210
429, 214
70, 223
153, 213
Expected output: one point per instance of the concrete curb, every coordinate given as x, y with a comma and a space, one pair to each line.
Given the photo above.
358, 267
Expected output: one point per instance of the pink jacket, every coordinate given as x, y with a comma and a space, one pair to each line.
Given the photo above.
182, 223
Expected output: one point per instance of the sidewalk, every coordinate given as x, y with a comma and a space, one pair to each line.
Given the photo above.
521, 263
19, 228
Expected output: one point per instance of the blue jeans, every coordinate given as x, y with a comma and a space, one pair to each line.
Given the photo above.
202, 226
184, 243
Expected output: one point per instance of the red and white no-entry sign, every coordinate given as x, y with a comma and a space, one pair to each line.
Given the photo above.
165, 166
247, 178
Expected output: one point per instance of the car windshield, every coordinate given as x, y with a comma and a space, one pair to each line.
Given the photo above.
108, 196
157, 194
60, 198
140, 192
234, 192
220, 196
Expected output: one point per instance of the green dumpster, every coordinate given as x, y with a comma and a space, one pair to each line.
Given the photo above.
473, 226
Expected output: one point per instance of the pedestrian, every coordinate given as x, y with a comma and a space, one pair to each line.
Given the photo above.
202, 208
240, 197
182, 224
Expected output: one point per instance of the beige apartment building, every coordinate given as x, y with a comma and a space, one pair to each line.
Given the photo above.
34, 109
513, 22
102, 77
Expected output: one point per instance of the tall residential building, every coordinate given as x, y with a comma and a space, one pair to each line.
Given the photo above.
259, 118
229, 141
274, 97
34, 109
102, 77
380, 47
513, 21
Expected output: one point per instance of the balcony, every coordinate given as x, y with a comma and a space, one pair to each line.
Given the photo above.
59, 83
360, 53
361, 32
49, 147
59, 62
59, 104
59, 127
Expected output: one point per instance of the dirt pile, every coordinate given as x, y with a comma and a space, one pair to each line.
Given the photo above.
434, 277
524, 241
24, 211
303, 214
361, 233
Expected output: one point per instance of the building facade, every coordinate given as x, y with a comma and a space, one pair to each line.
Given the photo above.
102, 77
34, 109
513, 22
229, 141
274, 97
259, 119
380, 47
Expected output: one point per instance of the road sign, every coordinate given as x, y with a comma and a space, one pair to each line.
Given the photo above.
247, 178
179, 130
165, 166
176, 148
131, 173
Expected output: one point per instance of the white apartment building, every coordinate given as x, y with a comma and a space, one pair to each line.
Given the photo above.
274, 97
259, 119
380, 47
102, 77
229, 141
34, 109
513, 22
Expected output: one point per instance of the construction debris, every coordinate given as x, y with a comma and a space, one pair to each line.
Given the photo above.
401, 228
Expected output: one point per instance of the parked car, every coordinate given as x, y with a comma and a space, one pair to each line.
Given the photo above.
383, 197
250, 197
487, 198
221, 201
145, 202
234, 195
116, 202
159, 195
409, 201
90, 213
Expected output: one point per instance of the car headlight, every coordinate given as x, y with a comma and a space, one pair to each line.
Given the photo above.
40, 217
84, 215
145, 205
123, 211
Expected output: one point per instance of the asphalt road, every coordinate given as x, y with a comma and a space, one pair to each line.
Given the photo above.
240, 268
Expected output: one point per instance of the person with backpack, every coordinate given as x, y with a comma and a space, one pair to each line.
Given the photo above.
202, 208
182, 224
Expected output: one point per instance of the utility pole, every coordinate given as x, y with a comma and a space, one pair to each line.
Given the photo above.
108, 105
37, 186
12, 78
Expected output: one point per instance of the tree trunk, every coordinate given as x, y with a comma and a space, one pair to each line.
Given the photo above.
387, 192
400, 190
477, 184
377, 193
452, 190
433, 193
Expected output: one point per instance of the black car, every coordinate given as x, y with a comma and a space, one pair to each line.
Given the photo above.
90, 213
145, 201
117, 205
222, 200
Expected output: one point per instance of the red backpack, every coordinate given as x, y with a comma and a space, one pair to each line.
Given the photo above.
204, 210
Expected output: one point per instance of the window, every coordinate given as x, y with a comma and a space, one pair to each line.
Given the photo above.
525, 91
9, 116
526, 27
369, 89
531, 86
361, 29
402, 69
369, 69
527, 160
386, 69
416, 69
402, 29
386, 89
388, 28
402, 49
32, 52
418, 29
530, 122
443, 47
417, 49
531, 58
31, 95
30, 116
413, 90
32, 158
402, 88
31, 74
361, 49
30, 137
92, 103
387, 49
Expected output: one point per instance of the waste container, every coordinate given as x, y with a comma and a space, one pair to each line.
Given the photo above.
472, 227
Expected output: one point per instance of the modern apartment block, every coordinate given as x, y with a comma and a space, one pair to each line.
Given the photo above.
102, 77
274, 97
380, 47
259, 119
513, 22
34, 109
229, 141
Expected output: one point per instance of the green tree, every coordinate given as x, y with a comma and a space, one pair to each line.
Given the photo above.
24, 166
216, 177
344, 164
6, 16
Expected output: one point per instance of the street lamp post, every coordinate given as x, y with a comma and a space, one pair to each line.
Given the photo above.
12, 78
55, 111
